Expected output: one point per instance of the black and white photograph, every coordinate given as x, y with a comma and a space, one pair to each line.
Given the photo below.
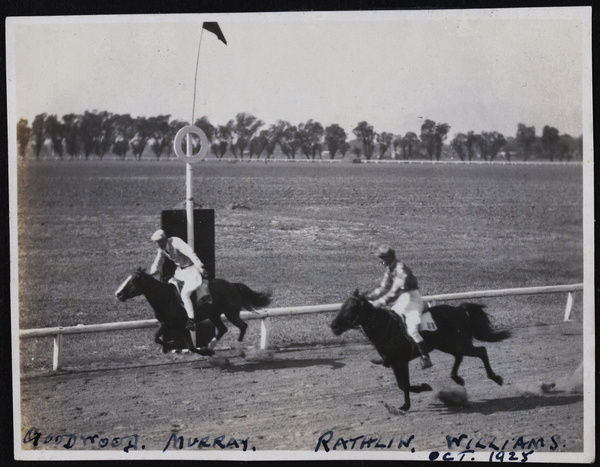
317, 235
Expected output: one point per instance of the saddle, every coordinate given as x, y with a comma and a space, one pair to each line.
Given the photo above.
427, 322
196, 299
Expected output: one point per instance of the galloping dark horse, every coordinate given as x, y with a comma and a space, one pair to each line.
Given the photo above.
228, 298
457, 326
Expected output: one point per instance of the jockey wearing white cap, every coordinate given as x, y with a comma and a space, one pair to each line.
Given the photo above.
189, 270
399, 288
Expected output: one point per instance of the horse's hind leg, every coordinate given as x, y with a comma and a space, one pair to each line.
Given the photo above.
240, 324
481, 352
454, 375
221, 329
204, 351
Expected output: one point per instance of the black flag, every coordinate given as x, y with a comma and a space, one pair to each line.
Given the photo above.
215, 29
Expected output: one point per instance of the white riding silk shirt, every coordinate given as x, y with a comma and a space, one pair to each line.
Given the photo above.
398, 278
179, 252
399, 288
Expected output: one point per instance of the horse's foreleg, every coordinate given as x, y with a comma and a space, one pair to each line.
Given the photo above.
402, 378
158, 334
157, 338
481, 353
454, 375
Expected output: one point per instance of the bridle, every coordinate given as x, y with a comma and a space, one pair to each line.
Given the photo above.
136, 282
358, 318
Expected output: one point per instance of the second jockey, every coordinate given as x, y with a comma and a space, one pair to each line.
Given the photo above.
399, 290
190, 270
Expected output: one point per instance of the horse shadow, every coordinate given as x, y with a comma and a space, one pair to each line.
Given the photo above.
250, 366
510, 404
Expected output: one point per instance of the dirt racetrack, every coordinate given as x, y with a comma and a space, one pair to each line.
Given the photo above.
289, 402
308, 233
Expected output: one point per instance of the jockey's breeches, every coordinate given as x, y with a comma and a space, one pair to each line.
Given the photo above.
410, 306
192, 279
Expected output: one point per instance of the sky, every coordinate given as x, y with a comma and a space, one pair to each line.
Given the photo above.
476, 70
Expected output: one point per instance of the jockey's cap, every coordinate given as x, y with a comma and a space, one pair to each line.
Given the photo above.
385, 252
156, 236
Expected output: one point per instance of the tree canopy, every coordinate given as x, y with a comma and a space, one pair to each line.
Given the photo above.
101, 132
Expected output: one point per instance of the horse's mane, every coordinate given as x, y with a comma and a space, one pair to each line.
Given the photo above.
384, 310
393, 322
146, 276
142, 271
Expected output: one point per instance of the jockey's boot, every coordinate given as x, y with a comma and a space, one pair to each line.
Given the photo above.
425, 361
190, 325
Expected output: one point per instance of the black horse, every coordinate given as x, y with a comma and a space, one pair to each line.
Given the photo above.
457, 326
227, 298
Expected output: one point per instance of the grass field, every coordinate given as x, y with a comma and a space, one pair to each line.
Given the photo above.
307, 232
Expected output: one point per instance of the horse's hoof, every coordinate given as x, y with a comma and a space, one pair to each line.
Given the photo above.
242, 353
220, 362
380, 361
426, 387
405, 407
394, 410
206, 352
547, 387
459, 380
498, 380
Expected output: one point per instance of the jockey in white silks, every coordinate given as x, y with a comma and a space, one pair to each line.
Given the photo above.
400, 290
190, 270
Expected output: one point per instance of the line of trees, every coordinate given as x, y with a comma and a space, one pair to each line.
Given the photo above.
101, 133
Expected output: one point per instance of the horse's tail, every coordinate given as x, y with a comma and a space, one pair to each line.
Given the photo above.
252, 300
480, 324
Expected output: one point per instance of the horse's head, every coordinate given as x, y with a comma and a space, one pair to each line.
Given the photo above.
351, 313
132, 286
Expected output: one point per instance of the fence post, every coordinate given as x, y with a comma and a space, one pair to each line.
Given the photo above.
57, 350
265, 327
568, 307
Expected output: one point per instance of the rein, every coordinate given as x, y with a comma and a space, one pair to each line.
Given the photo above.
156, 292
359, 316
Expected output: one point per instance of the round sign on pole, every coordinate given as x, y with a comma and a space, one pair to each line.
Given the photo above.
181, 134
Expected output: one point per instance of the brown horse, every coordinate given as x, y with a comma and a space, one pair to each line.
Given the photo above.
457, 326
227, 298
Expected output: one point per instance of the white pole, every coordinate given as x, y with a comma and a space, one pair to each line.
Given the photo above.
569, 307
56, 360
265, 327
189, 196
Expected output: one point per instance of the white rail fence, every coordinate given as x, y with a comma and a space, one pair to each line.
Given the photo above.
390, 161
265, 315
